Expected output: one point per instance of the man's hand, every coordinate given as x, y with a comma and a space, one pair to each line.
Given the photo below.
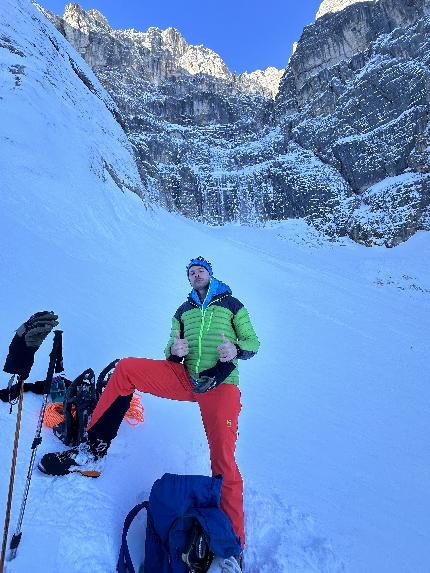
227, 351
179, 346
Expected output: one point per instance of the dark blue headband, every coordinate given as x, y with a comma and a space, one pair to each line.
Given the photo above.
201, 262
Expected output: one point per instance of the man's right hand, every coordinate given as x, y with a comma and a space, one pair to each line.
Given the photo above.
179, 346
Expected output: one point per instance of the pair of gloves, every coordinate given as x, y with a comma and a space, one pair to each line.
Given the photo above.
26, 342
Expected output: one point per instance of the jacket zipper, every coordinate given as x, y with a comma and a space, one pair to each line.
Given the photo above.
201, 330
210, 320
200, 340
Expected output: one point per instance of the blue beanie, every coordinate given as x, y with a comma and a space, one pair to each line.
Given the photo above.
201, 262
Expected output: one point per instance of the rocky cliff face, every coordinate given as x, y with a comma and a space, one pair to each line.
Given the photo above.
203, 135
356, 94
344, 144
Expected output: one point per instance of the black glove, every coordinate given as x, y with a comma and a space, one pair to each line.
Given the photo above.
26, 342
212, 377
37, 328
12, 393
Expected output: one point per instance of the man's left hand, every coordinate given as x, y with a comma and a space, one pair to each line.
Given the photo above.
227, 351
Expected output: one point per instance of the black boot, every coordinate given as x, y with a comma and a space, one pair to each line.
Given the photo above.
86, 458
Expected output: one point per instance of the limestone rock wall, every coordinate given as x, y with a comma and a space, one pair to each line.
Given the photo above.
340, 137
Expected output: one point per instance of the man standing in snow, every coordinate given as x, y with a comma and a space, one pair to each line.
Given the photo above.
210, 331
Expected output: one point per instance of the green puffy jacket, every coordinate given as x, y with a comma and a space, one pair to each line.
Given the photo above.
202, 324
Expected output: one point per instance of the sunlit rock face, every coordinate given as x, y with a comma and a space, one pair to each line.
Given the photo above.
332, 6
340, 137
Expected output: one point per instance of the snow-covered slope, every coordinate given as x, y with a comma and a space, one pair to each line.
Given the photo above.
333, 433
52, 100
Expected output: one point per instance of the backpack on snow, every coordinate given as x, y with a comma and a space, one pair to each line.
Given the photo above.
185, 527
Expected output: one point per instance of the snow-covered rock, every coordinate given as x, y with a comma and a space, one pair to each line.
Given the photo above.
356, 94
217, 147
269, 79
202, 133
395, 207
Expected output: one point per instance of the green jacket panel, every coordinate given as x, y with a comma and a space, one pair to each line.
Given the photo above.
203, 328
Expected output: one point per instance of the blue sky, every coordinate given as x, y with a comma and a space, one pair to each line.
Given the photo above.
247, 34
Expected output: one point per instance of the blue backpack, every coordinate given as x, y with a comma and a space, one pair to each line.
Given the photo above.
185, 526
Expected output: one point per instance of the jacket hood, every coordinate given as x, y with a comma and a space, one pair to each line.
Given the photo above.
216, 288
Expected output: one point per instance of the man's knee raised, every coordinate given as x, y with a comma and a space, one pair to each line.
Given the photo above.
121, 374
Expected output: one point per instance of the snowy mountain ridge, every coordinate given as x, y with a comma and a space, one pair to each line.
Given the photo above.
168, 47
350, 113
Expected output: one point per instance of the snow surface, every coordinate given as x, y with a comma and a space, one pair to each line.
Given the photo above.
333, 441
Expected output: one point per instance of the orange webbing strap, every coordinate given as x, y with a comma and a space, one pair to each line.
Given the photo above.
134, 415
54, 413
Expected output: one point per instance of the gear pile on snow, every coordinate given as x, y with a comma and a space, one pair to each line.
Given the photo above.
70, 418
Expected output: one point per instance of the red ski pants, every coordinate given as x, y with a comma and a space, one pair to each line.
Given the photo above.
219, 409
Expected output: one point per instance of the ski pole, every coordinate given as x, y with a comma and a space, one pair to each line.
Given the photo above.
55, 363
12, 473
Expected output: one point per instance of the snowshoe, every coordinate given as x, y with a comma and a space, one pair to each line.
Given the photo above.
79, 403
104, 376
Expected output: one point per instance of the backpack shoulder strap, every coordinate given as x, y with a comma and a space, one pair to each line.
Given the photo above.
125, 564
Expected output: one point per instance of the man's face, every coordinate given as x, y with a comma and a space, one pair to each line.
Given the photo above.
199, 277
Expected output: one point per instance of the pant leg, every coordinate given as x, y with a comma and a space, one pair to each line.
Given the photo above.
220, 410
158, 377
